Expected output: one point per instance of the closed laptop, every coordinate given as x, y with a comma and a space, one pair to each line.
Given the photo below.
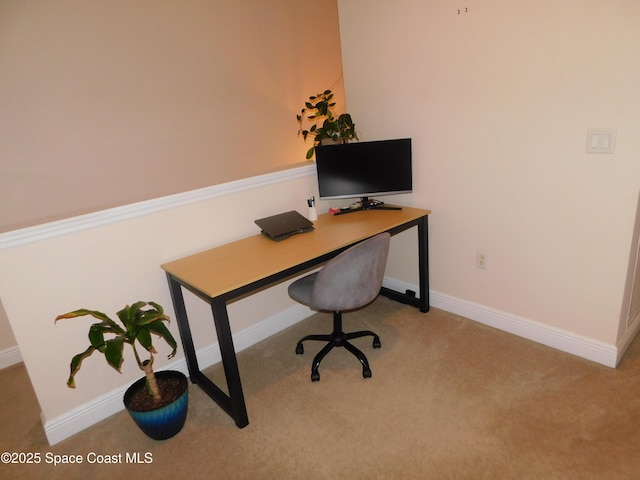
283, 225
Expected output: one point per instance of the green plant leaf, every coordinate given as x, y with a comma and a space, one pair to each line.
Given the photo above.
113, 352
310, 153
144, 337
96, 336
82, 312
158, 308
144, 317
76, 363
161, 329
129, 316
150, 317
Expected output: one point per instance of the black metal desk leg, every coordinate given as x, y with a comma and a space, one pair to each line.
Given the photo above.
183, 327
423, 262
229, 362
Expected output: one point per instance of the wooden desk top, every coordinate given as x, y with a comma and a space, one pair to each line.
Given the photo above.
234, 265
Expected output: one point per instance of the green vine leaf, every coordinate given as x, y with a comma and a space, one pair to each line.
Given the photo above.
326, 124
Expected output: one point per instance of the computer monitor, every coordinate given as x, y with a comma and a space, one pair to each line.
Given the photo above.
364, 170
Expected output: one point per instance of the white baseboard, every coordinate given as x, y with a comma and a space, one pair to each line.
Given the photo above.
625, 342
596, 351
76, 420
86, 415
10, 356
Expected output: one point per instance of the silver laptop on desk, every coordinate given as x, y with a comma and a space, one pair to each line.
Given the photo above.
283, 225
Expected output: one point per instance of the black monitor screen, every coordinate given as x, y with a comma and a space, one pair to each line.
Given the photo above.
364, 169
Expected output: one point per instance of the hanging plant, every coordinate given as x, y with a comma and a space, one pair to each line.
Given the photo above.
326, 124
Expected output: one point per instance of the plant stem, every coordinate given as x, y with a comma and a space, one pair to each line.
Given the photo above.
152, 385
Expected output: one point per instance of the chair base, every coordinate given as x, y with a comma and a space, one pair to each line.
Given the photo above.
338, 338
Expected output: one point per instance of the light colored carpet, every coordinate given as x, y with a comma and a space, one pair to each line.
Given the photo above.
448, 399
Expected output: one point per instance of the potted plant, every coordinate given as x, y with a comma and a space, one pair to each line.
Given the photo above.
326, 124
156, 402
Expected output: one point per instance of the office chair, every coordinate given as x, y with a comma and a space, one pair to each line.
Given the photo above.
349, 281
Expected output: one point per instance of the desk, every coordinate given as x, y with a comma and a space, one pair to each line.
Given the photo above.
222, 274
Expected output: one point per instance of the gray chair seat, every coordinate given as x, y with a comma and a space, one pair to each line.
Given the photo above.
300, 290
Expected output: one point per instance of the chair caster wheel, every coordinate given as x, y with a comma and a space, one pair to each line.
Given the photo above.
315, 377
376, 342
366, 372
299, 349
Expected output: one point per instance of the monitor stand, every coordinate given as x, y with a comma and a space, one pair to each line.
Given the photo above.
367, 203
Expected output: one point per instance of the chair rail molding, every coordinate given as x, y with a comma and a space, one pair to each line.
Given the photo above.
43, 231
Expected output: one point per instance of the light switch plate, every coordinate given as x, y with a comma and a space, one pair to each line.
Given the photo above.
601, 140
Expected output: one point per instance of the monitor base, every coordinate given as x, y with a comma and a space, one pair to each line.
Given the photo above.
366, 203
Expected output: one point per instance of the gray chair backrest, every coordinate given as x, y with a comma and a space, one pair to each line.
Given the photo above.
353, 278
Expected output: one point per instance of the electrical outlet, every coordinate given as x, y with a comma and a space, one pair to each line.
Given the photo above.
482, 260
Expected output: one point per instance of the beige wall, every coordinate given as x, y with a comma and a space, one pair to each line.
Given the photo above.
105, 260
109, 103
7, 339
498, 101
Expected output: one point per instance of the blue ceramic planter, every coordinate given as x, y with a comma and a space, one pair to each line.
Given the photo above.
164, 422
